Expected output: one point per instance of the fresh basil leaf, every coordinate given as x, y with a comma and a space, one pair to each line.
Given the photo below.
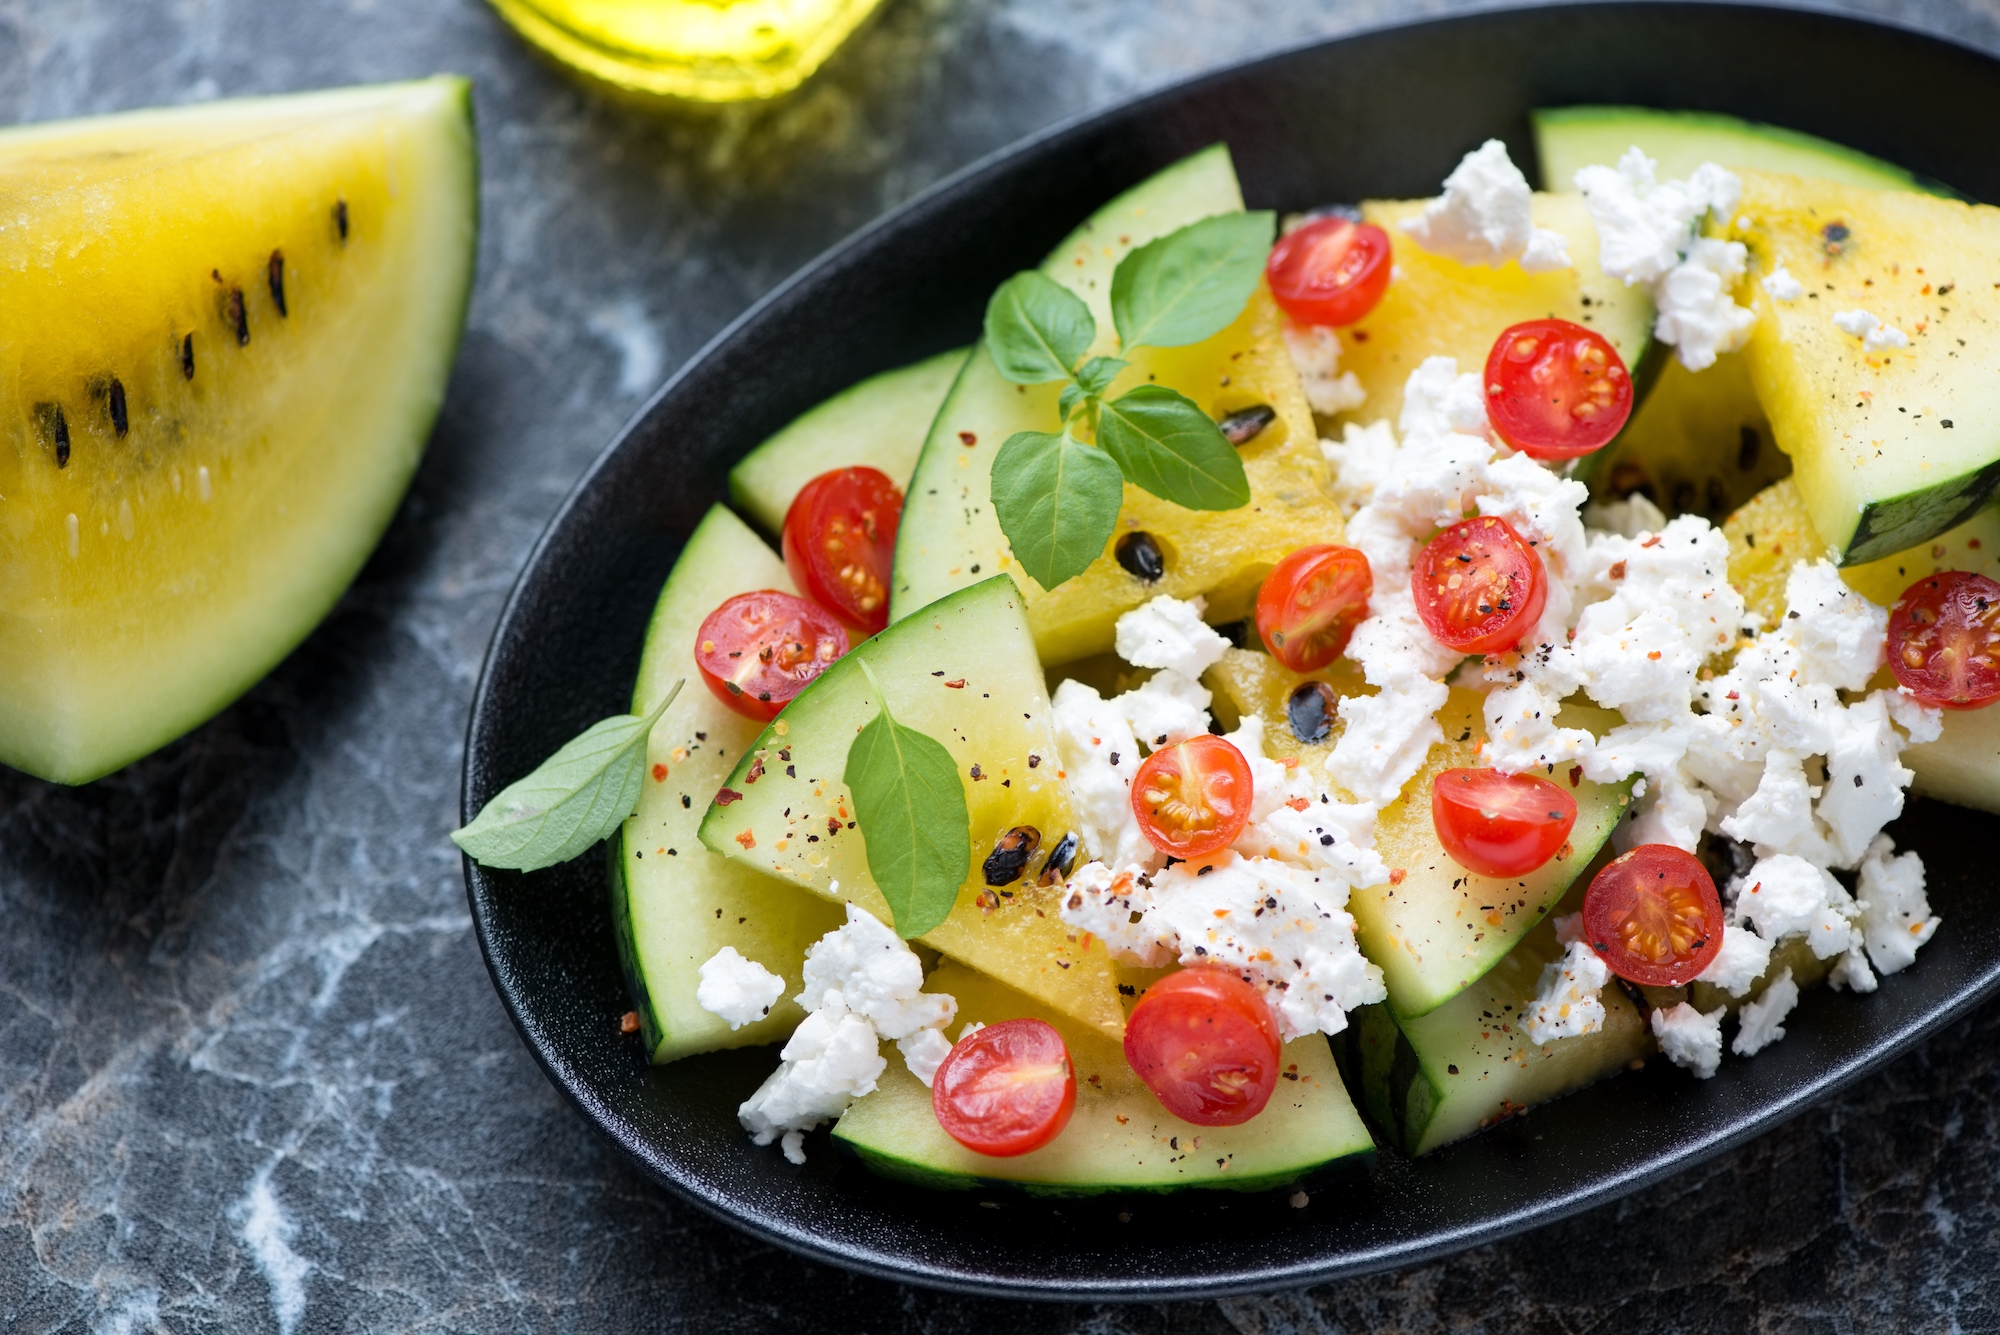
1072, 394
1190, 284
579, 795
1166, 445
910, 806
1036, 329
1096, 375
1057, 501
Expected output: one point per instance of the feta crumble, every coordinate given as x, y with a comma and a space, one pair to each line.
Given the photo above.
1690, 1038
1895, 912
737, 989
1100, 756
862, 984
1874, 335
1787, 896
1315, 351
1762, 1022
1646, 233
1485, 216
1568, 996
1169, 633
1740, 962
1781, 286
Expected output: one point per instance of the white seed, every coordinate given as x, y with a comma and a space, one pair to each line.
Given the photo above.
75, 542
125, 524
202, 485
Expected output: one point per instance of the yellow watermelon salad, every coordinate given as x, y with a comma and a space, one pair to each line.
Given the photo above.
1299, 683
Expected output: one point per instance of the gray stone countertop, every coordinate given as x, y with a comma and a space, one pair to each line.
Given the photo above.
252, 1073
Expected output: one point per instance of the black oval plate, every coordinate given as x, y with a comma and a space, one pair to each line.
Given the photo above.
1381, 113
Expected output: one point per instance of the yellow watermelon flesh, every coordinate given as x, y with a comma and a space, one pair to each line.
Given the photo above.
224, 336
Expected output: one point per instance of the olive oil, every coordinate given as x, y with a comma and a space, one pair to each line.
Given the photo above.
701, 50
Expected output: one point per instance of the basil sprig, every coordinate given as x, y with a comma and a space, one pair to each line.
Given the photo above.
910, 805
1057, 498
579, 795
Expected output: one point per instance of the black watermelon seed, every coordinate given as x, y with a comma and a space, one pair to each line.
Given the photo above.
340, 219
277, 272
53, 427
1010, 855
238, 317
1246, 424
1061, 858
1749, 446
1310, 710
187, 357
115, 399
1141, 556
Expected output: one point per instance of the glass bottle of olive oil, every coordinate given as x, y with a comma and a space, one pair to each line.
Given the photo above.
703, 50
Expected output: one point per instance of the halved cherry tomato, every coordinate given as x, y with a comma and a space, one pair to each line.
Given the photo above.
1005, 1089
840, 541
1311, 602
758, 650
1654, 916
1193, 798
1330, 271
1205, 1042
1500, 824
1944, 640
1555, 390
1479, 586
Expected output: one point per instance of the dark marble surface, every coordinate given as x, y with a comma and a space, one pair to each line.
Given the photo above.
252, 1075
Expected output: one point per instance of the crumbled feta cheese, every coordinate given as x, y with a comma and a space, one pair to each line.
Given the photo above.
1169, 633
737, 989
1116, 906
1100, 756
1874, 335
1440, 400
1740, 962
1895, 912
971, 1027
1315, 350
1334, 837
832, 1059
923, 1052
876, 975
1851, 971
1697, 311
1283, 928
1762, 1022
862, 984
1646, 234
1166, 707
1485, 216
1644, 225
1360, 460
1787, 896
1568, 996
1690, 1038
1841, 636
1781, 285
1569, 927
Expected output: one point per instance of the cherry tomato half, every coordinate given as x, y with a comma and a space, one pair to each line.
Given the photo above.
1330, 271
1944, 640
1555, 390
1005, 1089
1193, 798
758, 650
1205, 1042
1311, 602
1654, 916
1479, 586
1500, 824
840, 541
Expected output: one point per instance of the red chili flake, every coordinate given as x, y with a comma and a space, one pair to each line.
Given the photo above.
832, 825
1617, 570
1396, 876
628, 1023
756, 770
1653, 541
957, 684
659, 773
1575, 775
727, 795
747, 839
967, 439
